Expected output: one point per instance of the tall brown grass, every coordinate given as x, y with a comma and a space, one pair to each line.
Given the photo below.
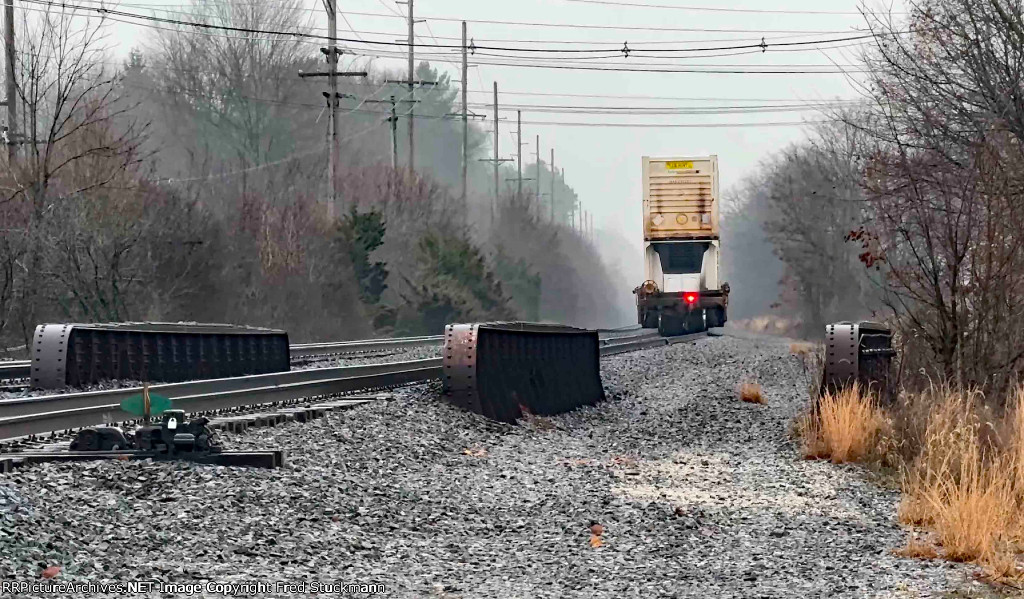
751, 393
845, 428
961, 465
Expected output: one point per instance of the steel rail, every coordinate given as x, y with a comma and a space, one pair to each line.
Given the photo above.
34, 415
303, 350
22, 417
21, 369
15, 369
646, 342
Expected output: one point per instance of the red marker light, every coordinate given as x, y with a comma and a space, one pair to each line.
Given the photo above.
690, 298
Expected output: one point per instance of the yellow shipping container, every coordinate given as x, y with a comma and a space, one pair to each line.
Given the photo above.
680, 198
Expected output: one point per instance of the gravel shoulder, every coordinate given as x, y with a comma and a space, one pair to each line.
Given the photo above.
699, 495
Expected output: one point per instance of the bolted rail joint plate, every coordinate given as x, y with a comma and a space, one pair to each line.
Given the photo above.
74, 355
502, 370
859, 352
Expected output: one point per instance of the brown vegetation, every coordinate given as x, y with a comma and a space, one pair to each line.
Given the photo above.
960, 470
916, 548
845, 428
751, 393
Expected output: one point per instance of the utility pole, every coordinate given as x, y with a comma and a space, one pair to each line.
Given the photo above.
465, 115
332, 52
412, 89
552, 196
12, 87
539, 213
394, 135
392, 120
497, 161
332, 67
494, 206
519, 152
572, 206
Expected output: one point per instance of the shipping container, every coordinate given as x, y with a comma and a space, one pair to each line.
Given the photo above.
681, 292
680, 198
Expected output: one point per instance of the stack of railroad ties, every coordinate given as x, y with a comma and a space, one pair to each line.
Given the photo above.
499, 370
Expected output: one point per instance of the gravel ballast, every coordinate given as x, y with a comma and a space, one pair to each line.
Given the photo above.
698, 494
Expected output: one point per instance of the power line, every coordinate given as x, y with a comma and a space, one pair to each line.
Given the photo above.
291, 158
677, 125
167, 9
641, 111
664, 70
523, 62
716, 9
305, 35
394, 15
556, 109
637, 97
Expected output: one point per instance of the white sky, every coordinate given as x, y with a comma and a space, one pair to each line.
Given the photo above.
603, 164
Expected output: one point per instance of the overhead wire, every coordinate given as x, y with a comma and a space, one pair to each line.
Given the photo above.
306, 35
287, 158
690, 8
108, 12
167, 8
396, 15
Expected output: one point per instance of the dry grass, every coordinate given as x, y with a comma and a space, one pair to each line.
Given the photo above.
961, 468
964, 483
802, 349
917, 549
540, 423
751, 393
769, 325
846, 428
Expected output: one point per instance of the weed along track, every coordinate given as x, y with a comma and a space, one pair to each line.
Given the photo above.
673, 486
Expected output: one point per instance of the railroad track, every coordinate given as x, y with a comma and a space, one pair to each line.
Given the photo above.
23, 417
20, 369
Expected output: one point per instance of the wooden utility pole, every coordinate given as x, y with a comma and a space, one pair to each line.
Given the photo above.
497, 161
494, 205
394, 135
392, 120
332, 52
12, 87
412, 90
540, 214
552, 196
465, 115
519, 152
412, 83
332, 78
572, 207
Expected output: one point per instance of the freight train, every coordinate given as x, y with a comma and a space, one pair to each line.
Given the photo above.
681, 293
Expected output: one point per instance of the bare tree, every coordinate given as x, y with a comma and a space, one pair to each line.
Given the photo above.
943, 179
76, 140
240, 90
810, 199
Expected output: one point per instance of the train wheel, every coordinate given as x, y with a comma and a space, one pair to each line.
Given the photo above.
669, 325
716, 317
693, 322
649, 320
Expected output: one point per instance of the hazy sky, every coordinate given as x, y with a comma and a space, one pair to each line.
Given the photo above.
603, 163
